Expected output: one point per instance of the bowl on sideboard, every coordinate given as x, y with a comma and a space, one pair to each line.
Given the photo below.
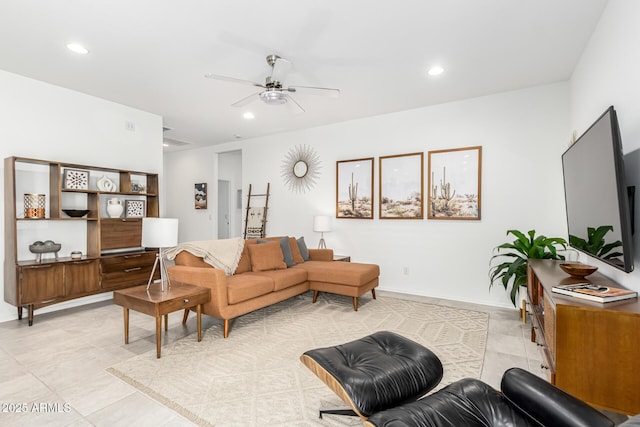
576, 269
76, 213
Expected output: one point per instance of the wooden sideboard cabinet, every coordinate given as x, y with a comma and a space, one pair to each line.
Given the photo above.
590, 348
81, 277
121, 271
41, 283
112, 257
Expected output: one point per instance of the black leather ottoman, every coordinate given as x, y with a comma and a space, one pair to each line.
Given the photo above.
380, 371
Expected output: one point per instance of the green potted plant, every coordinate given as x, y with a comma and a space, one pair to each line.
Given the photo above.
508, 264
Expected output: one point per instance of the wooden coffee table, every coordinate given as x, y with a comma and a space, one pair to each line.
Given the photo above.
156, 303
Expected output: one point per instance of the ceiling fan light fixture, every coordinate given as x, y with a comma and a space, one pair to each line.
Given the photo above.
435, 70
273, 97
77, 48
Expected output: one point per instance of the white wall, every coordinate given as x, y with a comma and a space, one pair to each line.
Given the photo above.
230, 169
43, 121
523, 134
609, 74
186, 169
183, 170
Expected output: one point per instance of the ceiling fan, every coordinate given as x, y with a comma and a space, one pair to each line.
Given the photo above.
274, 93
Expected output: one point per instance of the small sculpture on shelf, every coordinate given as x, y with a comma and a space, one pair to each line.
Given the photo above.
105, 184
47, 246
136, 187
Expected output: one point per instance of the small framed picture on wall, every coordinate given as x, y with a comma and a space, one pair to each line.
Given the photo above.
201, 195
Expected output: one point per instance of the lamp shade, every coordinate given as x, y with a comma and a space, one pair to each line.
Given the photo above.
321, 223
159, 232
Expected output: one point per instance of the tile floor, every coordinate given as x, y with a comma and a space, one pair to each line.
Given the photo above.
55, 370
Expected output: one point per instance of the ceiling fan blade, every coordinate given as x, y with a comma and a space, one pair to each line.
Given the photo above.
312, 90
232, 79
280, 70
246, 100
297, 108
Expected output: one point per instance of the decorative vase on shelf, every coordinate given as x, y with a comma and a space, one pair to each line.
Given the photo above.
114, 207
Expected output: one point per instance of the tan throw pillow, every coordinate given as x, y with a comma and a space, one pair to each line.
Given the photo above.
295, 250
266, 256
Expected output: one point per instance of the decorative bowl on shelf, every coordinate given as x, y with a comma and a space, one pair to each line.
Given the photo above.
576, 269
48, 246
76, 213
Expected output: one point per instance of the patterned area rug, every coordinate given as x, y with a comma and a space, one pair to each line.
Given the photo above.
255, 378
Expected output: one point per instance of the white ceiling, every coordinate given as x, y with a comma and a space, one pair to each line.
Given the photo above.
153, 54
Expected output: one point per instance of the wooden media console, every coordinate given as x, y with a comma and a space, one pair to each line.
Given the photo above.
590, 348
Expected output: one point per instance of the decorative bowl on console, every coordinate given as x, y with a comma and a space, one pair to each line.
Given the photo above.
76, 213
578, 270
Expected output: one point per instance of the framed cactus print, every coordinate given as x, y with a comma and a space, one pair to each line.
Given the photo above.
354, 188
454, 183
402, 186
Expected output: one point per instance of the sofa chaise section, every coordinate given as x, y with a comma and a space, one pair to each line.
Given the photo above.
343, 278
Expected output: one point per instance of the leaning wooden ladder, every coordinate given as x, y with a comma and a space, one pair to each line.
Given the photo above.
255, 221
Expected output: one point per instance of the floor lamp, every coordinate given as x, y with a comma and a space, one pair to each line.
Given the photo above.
321, 223
159, 233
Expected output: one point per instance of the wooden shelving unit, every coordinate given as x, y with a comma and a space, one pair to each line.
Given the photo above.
589, 348
113, 258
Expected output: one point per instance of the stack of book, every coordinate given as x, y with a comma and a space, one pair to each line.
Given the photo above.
594, 292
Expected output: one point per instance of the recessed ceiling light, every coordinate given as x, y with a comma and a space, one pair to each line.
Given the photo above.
435, 71
248, 115
77, 48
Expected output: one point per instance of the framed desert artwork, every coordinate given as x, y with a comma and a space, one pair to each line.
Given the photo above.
354, 188
402, 186
454, 183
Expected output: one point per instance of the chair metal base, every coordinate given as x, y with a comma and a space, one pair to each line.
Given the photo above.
346, 412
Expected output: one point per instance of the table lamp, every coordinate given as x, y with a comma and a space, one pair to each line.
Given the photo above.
159, 233
321, 223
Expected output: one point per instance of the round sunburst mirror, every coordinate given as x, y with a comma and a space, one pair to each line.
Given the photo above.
301, 168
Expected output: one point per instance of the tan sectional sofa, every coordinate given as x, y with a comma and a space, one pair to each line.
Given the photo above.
263, 277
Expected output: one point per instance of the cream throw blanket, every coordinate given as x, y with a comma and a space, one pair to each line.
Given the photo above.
223, 254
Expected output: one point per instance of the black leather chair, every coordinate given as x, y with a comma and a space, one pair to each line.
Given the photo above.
526, 400
384, 377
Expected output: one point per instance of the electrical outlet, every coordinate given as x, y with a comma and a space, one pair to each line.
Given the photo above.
405, 271
130, 126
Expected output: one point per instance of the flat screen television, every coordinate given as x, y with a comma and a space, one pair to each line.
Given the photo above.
596, 194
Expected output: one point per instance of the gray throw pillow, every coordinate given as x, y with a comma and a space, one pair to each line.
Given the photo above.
286, 252
303, 249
